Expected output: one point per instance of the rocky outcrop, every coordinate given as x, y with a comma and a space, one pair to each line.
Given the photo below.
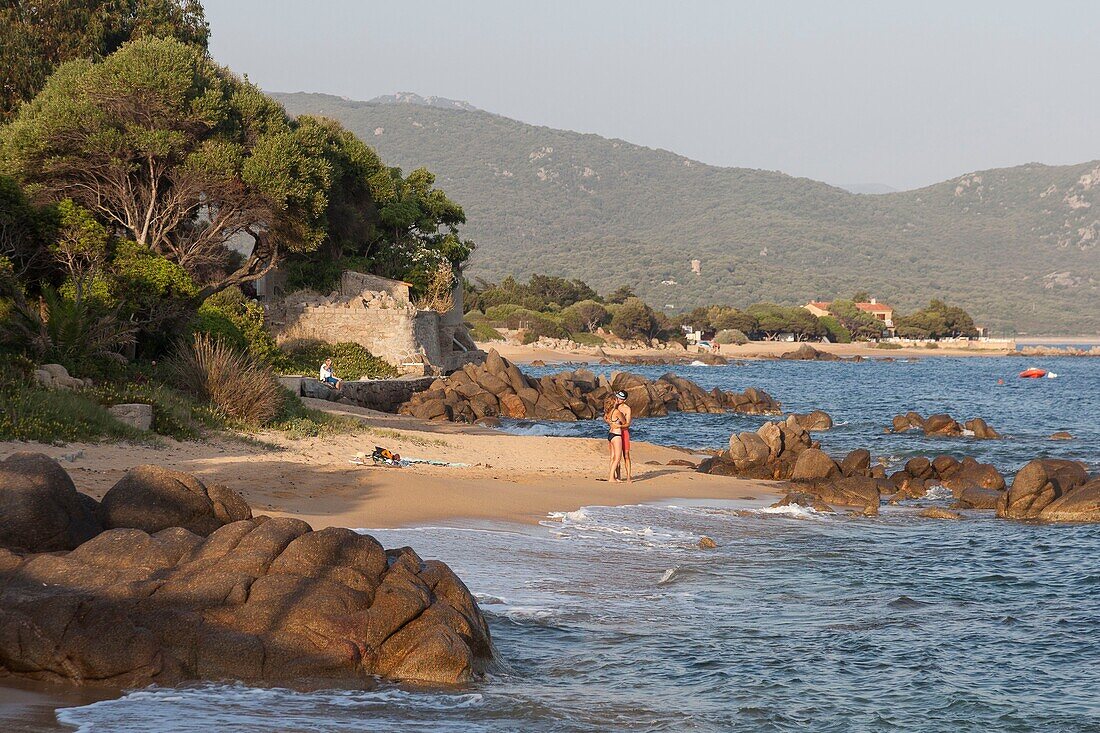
805, 352
55, 376
815, 421
919, 474
498, 388
40, 508
152, 498
261, 600
804, 499
1081, 504
975, 497
1038, 485
944, 424
936, 512
814, 465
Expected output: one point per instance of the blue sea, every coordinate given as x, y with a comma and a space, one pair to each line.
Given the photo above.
612, 619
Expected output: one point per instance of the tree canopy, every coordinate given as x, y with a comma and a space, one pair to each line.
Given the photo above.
938, 320
181, 156
36, 36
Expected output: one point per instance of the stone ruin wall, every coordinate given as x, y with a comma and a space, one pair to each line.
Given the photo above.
376, 313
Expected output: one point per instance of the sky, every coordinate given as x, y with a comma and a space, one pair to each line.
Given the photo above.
897, 92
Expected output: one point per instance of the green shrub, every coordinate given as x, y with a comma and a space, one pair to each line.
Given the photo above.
587, 339
296, 420
230, 381
238, 321
28, 412
499, 313
731, 336
484, 332
349, 360
888, 345
174, 414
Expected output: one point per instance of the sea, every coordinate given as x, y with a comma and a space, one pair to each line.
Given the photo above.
611, 618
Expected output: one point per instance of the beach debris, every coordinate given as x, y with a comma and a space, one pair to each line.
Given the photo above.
706, 543
265, 601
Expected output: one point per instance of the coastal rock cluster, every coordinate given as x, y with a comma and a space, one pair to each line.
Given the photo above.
169, 580
1045, 489
944, 424
498, 388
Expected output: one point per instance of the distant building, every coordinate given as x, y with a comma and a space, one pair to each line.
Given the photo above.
881, 311
696, 267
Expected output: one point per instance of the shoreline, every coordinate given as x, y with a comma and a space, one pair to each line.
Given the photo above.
754, 350
510, 478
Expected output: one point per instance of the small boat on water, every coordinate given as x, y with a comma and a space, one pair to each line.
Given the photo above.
1033, 373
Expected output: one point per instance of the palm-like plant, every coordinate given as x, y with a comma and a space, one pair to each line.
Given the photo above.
68, 331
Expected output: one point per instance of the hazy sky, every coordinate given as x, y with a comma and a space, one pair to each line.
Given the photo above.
904, 92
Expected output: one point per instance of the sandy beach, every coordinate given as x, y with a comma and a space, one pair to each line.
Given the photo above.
505, 477
521, 354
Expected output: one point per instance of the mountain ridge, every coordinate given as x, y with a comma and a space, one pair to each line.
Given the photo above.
1018, 247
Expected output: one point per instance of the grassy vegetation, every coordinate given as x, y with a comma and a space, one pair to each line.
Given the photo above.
537, 201
349, 360
45, 416
587, 339
484, 332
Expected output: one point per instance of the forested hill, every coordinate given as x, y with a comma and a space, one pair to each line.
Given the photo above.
1017, 247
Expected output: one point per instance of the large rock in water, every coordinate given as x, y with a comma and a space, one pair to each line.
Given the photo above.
805, 352
264, 601
813, 464
1081, 504
152, 498
40, 508
1038, 484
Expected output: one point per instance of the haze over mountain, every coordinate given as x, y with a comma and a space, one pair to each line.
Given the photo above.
1018, 247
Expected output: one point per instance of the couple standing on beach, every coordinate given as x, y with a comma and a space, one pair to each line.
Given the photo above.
617, 415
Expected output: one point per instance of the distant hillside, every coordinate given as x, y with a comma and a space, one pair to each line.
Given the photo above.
1018, 247
868, 188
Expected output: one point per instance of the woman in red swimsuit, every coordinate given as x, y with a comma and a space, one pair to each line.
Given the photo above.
617, 415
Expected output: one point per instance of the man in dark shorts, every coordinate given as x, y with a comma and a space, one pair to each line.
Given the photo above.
627, 418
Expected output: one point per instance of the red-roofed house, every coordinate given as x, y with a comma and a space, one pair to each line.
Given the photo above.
879, 310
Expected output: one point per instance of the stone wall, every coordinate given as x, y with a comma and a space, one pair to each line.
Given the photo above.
376, 313
385, 395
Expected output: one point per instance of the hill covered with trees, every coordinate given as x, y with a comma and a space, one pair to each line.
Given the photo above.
1019, 247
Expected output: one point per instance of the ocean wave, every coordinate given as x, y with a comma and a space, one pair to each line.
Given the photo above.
222, 706
790, 510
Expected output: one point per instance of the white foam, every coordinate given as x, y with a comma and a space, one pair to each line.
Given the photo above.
578, 515
790, 510
224, 707
938, 493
